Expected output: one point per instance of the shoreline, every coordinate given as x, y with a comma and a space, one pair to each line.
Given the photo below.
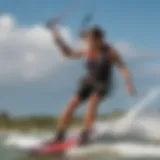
33, 130
42, 123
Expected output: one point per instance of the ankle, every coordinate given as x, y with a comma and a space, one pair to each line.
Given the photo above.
60, 135
84, 134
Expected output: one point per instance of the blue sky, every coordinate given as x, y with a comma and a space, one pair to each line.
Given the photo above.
122, 19
34, 79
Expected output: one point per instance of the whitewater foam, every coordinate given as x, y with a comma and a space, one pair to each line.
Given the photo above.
124, 124
146, 128
123, 149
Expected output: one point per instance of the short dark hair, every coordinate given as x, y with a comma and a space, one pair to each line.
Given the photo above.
96, 31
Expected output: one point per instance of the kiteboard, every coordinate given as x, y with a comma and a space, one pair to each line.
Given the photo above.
53, 148
38, 147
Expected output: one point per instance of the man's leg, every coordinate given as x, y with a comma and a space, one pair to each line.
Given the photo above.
66, 118
91, 111
82, 94
90, 116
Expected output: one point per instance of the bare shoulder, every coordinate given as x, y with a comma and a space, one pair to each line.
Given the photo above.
111, 51
115, 57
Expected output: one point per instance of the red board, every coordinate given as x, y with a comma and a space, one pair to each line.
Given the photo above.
51, 149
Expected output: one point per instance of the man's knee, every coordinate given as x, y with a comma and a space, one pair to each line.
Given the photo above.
93, 101
74, 102
95, 97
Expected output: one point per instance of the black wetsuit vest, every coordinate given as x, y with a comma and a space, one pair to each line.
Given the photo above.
99, 69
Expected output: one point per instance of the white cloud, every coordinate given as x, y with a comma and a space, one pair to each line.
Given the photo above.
132, 53
145, 64
129, 51
124, 48
27, 53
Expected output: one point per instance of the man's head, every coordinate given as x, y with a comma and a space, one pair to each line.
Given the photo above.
93, 36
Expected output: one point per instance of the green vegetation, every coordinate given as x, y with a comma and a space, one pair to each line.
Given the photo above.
43, 122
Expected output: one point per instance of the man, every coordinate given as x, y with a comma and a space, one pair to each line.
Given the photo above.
100, 58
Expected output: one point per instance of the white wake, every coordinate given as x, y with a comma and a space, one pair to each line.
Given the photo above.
148, 127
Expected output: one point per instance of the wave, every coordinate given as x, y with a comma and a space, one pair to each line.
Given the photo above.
125, 149
130, 136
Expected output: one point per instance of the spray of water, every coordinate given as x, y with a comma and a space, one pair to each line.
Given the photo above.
121, 127
124, 124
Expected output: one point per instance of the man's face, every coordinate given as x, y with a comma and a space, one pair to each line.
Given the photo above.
92, 41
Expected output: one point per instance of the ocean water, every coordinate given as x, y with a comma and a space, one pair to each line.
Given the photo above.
140, 141
134, 136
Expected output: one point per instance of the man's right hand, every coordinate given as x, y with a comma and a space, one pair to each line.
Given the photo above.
131, 89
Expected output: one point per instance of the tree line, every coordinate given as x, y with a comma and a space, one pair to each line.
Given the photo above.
44, 122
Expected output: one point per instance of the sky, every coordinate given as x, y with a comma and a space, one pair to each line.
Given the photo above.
34, 76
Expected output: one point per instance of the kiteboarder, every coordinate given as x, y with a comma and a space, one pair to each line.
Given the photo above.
96, 84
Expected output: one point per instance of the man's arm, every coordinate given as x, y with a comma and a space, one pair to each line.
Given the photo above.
117, 60
65, 49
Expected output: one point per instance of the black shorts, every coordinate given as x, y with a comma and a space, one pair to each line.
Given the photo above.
87, 86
